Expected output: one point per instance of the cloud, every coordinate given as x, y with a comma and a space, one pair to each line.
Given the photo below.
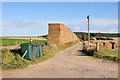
41, 26
112, 30
71, 23
104, 22
77, 28
93, 22
25, 23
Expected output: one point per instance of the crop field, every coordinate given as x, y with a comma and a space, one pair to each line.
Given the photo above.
11, 42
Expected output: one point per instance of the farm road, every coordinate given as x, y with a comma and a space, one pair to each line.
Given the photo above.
68, 63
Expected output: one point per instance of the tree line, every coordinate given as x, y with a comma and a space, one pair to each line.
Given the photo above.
84, 35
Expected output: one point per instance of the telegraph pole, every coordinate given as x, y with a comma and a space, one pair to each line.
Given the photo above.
88, 31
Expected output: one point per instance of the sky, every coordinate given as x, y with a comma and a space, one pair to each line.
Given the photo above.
60, 0
22, 18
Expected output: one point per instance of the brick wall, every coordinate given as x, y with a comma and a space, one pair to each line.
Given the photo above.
60, 34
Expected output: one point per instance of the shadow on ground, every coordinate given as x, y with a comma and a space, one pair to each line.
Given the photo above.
84, 53
16, 51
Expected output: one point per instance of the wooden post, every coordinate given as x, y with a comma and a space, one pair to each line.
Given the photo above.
97, 46
88, 31
24, 54
31, 38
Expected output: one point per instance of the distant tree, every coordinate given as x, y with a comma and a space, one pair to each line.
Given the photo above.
98, 34
92, 35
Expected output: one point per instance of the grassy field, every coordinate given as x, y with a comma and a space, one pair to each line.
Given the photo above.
110, 54
13, 60
11, 42
103, 53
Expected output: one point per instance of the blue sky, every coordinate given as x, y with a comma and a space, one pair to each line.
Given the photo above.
21, 18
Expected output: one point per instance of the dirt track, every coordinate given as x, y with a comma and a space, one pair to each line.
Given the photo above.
10, 47
68, 63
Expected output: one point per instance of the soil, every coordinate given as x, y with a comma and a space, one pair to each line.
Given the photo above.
10, 47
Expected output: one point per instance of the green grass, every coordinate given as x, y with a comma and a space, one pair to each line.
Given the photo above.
110, 54
12, 60
104, 53
11, 42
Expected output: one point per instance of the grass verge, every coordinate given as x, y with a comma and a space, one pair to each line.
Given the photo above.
12, 60
11, 42
109, 54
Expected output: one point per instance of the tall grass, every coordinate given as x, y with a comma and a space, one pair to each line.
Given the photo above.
12, 60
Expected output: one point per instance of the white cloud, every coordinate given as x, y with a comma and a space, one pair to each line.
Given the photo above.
72, 23
112, 30
28, 23
103, 22
41, 26
77, 28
